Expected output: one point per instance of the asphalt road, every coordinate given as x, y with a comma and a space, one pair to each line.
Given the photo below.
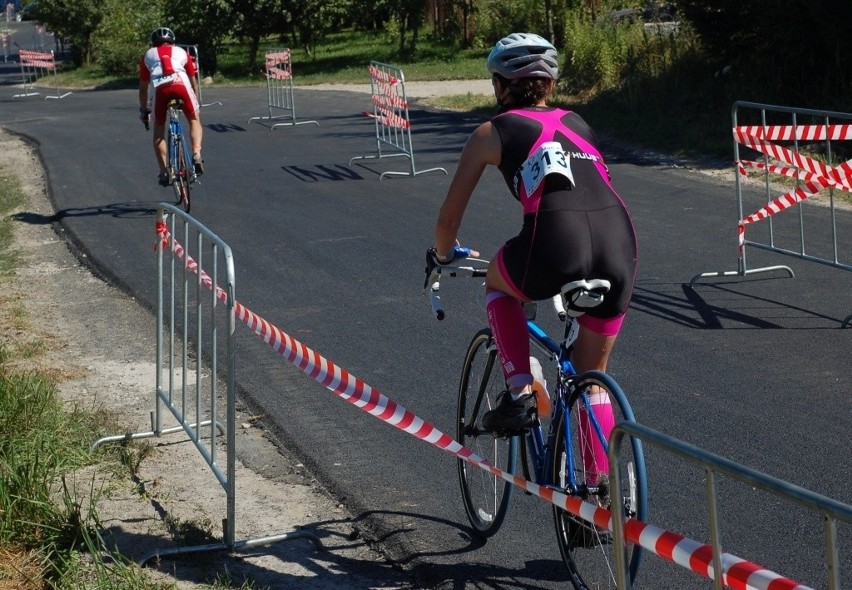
755, 370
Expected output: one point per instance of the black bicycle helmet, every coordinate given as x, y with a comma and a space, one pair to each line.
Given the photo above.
523, 55
162, 35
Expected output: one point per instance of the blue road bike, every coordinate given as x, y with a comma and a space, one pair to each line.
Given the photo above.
549, 454
179, 163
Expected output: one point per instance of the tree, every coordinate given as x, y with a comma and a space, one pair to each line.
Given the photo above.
254, 20
123, 34
780, 50
312, 19
77, 20
204, 23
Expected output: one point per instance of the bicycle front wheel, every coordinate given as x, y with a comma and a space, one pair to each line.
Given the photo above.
486, 497
182, 176
587, 550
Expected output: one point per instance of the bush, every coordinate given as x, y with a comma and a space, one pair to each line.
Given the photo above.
123, 35
497, 18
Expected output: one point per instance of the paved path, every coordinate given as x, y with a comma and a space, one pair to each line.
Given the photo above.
416, 89
333, 255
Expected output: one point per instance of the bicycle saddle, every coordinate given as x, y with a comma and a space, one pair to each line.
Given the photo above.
578, 296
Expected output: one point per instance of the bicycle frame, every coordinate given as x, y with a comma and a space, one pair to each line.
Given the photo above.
552, 455
175, 132
542, 453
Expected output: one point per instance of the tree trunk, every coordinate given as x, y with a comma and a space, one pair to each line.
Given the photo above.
254, 46
548, 14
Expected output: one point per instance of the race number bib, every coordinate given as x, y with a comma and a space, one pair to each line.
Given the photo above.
549, 158
159, 81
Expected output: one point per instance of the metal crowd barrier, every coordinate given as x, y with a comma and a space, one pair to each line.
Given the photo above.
741, 574
390, 113
726, 564
278, 69
35, 64
784, 139
192, 50
195, 325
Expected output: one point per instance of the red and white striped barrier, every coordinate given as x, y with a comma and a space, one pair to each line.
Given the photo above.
738, 574
390, 112
814, 174
278, 70
36, 64
792, 160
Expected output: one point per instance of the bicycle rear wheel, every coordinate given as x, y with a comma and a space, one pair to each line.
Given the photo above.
182, 176
587, 550
486, 497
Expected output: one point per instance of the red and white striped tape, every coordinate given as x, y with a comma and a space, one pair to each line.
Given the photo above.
37, 59
798, 132
389, 119
389, 101
389, 87
278, 57
278, 65
738, 574
815, 175
383, 77
276, 73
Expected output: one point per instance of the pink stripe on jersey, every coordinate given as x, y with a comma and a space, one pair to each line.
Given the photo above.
552, 121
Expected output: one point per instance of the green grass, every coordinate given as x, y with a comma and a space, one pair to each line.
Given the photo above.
344, 57
11, 197
49, 527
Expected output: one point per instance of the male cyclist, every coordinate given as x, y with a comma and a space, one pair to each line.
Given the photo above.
575, 227
167, 72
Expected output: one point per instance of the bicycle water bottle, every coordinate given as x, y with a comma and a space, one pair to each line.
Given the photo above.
539, 387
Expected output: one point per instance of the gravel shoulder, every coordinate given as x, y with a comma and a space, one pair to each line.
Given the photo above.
100, 344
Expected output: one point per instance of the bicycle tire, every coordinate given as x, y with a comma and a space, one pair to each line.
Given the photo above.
586, 550
486, 496
182, 175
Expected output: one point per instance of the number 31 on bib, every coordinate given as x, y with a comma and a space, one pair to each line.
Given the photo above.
549, 158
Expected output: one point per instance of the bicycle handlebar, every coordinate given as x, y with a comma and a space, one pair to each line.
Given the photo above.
434, 270
477, 269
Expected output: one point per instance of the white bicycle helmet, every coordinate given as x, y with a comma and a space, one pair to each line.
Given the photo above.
162, 35
523, 55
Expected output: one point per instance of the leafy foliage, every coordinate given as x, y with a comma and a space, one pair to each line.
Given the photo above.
77, 20
203, 23
775, 51
123, 35
781, 51
254, 20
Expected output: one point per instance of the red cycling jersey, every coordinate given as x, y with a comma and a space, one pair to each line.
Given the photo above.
167, 70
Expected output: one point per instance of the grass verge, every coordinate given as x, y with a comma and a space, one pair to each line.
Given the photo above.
49, 527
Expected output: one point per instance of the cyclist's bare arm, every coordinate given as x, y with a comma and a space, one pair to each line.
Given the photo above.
483, 148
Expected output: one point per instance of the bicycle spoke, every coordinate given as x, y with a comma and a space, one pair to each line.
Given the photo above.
486, 497
587, 550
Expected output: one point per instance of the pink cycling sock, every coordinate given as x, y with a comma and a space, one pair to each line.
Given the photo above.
509, 326
595, 460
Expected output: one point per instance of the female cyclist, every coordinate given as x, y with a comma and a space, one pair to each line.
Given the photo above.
575, 226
